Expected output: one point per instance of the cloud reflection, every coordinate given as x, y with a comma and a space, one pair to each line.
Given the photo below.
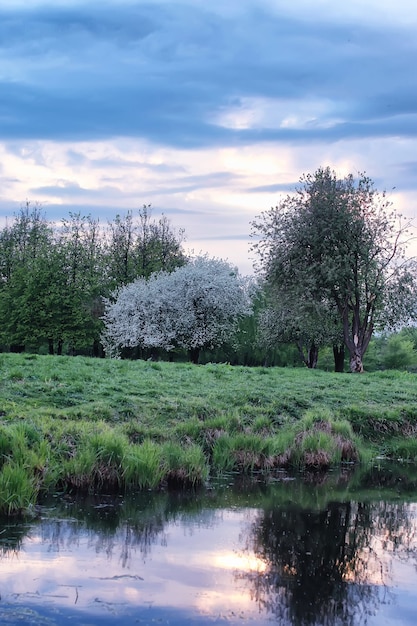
197, 559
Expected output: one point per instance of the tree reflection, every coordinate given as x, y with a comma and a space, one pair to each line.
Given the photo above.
325, 554
328, 566
118, 528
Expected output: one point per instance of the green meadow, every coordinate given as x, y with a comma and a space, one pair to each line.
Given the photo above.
83, 424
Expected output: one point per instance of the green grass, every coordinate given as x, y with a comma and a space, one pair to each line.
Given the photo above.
74, 423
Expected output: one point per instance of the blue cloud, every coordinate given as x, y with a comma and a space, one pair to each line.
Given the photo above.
163, 71
73, 190
281, 187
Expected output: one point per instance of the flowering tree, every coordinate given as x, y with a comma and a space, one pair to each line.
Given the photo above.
196, 306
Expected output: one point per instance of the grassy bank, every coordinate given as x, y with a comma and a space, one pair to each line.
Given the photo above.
73, 423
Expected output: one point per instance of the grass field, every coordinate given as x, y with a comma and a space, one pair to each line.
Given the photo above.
74, 423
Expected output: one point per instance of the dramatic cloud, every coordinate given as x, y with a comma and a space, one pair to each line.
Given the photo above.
204, 109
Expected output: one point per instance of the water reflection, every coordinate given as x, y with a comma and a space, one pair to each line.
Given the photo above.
287, 552
329, 566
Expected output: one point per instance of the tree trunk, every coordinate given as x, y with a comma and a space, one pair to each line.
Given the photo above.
310, 359
18, 348
194, 355
59, 348
51, 346
313, 356
154, 354
339, 357
356, 347
356, 365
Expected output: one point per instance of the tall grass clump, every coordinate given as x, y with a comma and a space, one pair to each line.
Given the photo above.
402, 449
98, 462
6, 445
242, 452
143, 466
315, 449
18, 491
13, 444
79, 470
184, 465
322, 440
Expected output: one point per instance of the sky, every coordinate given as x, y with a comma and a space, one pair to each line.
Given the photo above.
210, 111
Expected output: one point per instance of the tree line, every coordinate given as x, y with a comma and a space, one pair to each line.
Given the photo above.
53, 277
331, 270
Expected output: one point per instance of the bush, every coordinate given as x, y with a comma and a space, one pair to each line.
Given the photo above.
399, 353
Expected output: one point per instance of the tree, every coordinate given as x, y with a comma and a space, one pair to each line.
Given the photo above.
79, 251
339, 241
24, 248
195, 307
159, 246
142, 246
308, 324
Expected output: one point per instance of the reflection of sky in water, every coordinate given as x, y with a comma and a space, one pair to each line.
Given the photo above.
189, 567
196, 568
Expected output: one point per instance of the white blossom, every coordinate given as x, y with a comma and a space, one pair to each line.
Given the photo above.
196, 306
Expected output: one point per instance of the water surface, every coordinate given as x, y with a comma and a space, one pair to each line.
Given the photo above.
289, 551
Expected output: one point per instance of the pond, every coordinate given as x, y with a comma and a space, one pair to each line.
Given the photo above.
304, 550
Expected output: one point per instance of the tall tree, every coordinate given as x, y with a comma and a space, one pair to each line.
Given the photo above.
81, 253
338, 240
120, 250
141, 245
24, 245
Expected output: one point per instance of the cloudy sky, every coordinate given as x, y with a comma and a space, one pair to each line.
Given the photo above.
208, 110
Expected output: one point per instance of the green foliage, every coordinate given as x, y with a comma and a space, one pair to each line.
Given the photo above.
399, 353
17, 489
143, 465
334, 250
393, 351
